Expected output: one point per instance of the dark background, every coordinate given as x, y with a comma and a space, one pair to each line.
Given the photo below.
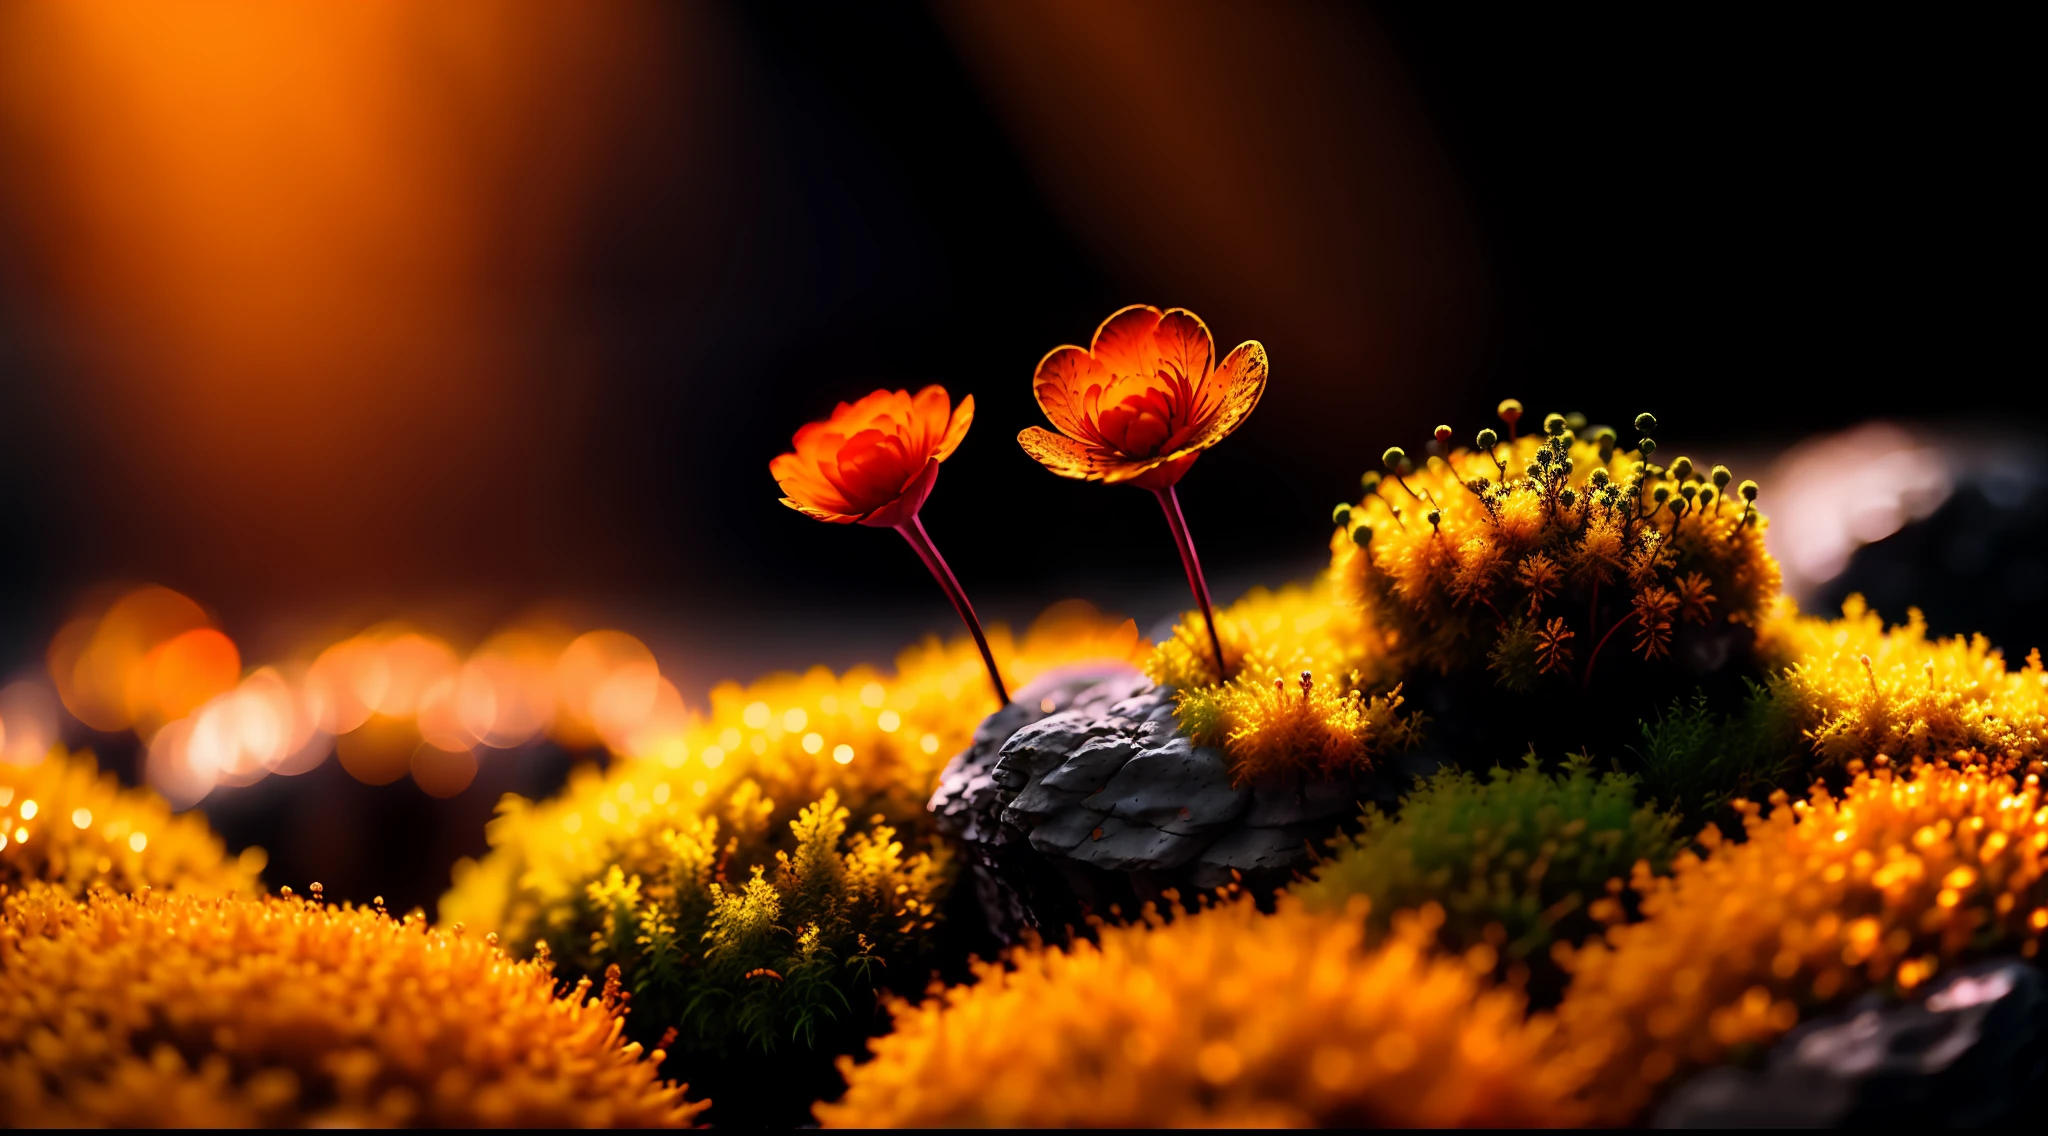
1758, 224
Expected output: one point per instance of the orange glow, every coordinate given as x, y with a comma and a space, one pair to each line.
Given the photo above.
660, 732
585, 668
439, 717
441, 772
99, 661
28, 721
873, 462
180, 674
507, 691
379, 751
1143, 400
286, 227
375, 698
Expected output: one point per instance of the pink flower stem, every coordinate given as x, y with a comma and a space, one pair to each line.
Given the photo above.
1170, 502
913, 531
1586, 684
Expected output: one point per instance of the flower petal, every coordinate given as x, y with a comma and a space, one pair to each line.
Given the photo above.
802, 480
928, 420
956, 428
1061, 384
1065, 456
818, 514
1124, 344
1186, 350
1160, 473
907, 503
1230, 395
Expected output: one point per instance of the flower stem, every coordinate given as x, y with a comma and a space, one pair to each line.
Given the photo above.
913, 531
1170, 502
1586, 684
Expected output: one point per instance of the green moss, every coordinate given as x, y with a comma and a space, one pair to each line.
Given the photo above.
1697, 761
1515, 859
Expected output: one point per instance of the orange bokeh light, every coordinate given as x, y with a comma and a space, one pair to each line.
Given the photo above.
151, 661
180, 674
588, 666
100, 660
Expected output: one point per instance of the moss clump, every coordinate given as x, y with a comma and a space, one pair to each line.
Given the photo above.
1857, 689
1225, 1018
1900, 876
1518, 859
758, 882
1306, 689
767, 959
1526, 557
64, 822
1698, 761
170, 1009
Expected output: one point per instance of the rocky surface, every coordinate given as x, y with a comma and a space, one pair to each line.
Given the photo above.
1083, 794
1972, 1051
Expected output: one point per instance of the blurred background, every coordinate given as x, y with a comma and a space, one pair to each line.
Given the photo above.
419, 341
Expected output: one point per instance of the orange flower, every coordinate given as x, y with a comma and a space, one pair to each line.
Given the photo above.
1143, 402
874, 461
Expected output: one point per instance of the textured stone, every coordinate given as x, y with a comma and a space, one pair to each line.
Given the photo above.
1100, 801
1179, 786
1970, 1052
1092, 765
1124, 846
1066, 831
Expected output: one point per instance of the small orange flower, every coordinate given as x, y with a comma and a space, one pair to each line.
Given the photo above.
874, 461
1143, 402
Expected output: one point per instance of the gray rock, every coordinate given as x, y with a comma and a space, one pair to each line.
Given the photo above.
1179, 786
1261, 849
1124, 846
1066, 831
1092, 765
1083, 795
1971, 1051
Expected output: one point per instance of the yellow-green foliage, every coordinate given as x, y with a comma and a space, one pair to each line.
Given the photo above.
1825, 897
1224, 1018
1857, 689
767, 958
1516, 859
1302, 690
784, 833
168, 1009
1528, 537
64, 822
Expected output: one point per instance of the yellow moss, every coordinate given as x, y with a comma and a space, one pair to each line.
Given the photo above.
1859, 689
1223, 1018
1825, 898
1267, 716
1510, 546
814, 786
877, 740
170, 1009
64, 822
